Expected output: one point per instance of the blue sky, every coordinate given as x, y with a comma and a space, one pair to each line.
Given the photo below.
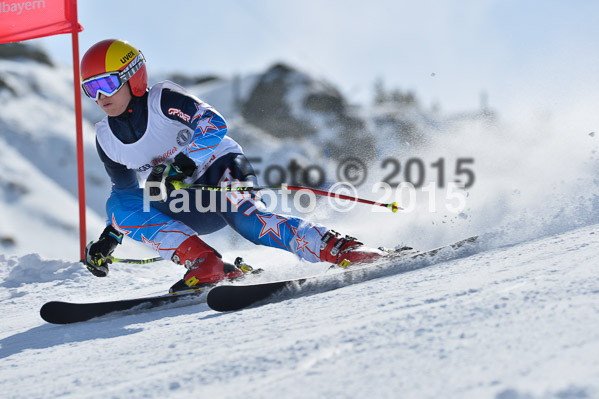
524, 54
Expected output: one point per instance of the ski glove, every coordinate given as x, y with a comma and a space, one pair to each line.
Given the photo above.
97, 253
170, 175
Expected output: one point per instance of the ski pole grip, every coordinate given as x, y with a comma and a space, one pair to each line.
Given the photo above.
178, 185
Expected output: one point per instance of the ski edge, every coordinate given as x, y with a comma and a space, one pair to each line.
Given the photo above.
217, 294
62, 312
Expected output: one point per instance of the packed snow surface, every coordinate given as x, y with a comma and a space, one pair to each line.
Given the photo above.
515, 317
511, 322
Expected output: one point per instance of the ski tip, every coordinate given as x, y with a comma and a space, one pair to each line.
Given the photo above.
49, 313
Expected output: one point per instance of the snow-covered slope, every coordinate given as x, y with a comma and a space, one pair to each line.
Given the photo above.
37, 140
518, 319
512, 322
31, 202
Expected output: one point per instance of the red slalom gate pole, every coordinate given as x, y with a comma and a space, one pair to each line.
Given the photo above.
79, 144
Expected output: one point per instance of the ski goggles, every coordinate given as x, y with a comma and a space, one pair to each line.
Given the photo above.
110, 82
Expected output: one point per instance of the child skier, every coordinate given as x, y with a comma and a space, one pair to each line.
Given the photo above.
164, 135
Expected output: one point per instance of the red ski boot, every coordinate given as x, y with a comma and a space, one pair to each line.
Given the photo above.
204, 264
344, 251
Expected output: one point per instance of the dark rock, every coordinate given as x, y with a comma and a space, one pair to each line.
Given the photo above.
286, 103
7, 241
185, 81
24, 51
268, 108
4, 85
324, 102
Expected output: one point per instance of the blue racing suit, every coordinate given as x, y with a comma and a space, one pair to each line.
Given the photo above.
123, 143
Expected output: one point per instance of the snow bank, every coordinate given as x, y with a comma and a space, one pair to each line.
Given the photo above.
511, 323
18, 271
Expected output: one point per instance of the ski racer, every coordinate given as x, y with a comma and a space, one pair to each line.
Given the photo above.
164, 135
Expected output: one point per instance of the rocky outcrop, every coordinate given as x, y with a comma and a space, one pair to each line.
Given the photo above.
287, 103
24, 51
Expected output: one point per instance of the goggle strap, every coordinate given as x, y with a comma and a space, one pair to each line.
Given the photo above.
132, 68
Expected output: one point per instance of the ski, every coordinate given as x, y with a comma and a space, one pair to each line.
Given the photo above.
58, 312
224, 298
227, 297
